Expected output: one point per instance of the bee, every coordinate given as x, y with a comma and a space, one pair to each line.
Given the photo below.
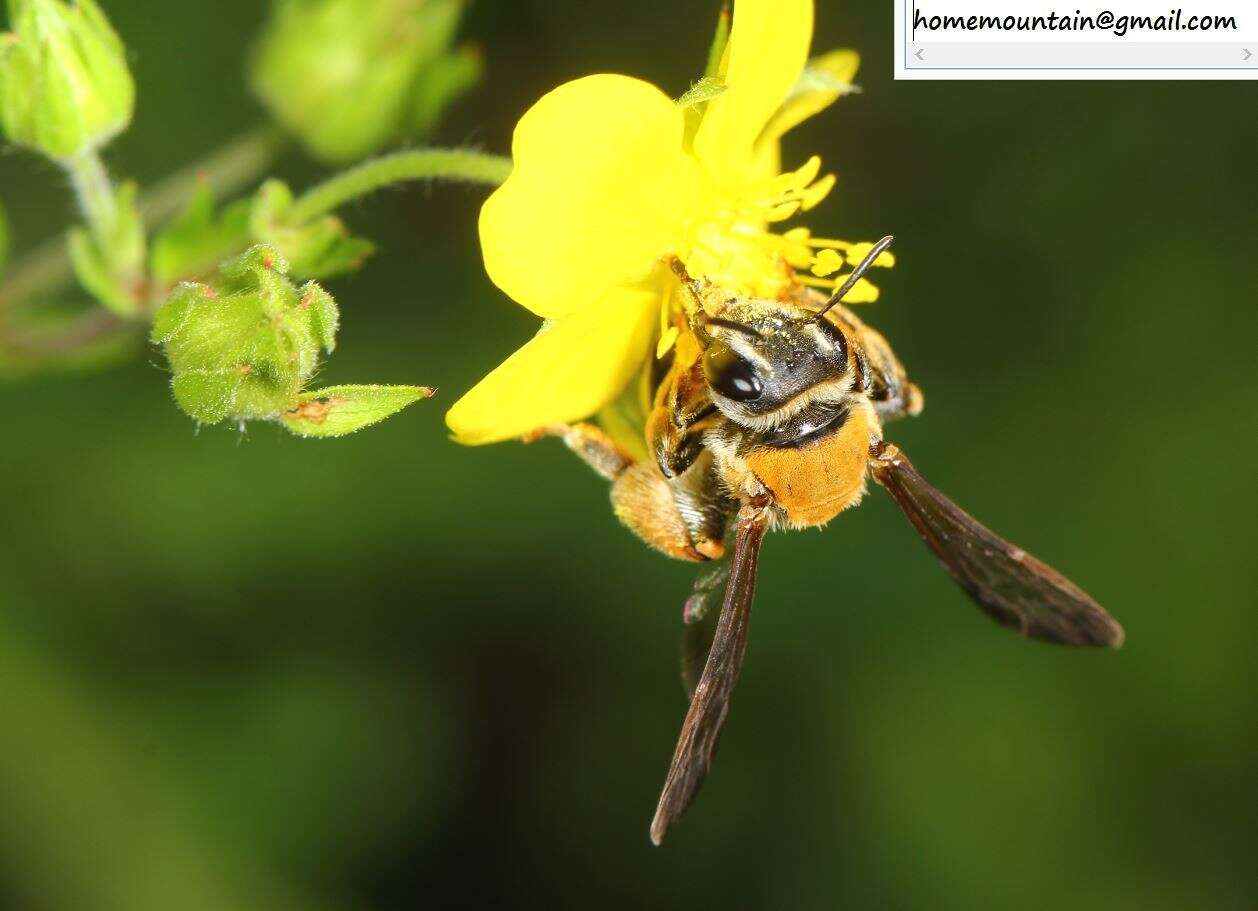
769, 414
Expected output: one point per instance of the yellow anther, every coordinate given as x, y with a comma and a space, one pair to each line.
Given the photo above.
818, 191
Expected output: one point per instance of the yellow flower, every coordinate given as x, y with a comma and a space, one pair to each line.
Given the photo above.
611, 177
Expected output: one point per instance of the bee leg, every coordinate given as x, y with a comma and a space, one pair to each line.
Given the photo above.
591, 445
683, 518
676, 439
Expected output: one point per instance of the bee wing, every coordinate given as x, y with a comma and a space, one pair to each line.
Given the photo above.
708, 709
700, 630
1008, 584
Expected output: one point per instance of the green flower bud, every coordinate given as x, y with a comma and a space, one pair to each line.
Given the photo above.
322, 248
198, 239
349, 77
65, 89
243, 348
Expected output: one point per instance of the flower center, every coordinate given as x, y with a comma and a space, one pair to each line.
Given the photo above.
735, 246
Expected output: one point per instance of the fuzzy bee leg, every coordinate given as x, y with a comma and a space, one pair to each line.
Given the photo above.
683, 518
591, 445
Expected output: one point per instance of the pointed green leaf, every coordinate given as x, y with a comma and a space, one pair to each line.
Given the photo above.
195, 242
323, 314
719, 42
340, 410
128, 241
109, 266
95, 275
319, 249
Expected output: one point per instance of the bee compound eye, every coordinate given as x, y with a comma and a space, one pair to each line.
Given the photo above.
731, 376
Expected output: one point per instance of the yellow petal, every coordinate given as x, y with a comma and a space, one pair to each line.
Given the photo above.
767, 51
666, 342
838, 65
570, 370
841, 66
766, 159
599, 192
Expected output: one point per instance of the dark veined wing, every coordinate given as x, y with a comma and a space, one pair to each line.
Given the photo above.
1008, 584
700, 629
708, 709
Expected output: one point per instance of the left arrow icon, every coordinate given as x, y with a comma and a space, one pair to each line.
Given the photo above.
921, 51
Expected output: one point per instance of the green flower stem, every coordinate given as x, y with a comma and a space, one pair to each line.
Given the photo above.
422, 164
46, 271
232, 167
95, 192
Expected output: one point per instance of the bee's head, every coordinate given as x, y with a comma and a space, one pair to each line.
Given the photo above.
762, 355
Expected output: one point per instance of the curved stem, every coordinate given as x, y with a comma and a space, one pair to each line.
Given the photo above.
95, 192
227, 170
46, 269
421, 164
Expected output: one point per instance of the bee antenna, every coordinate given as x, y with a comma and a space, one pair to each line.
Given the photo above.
679, 269
857, 274
699, 318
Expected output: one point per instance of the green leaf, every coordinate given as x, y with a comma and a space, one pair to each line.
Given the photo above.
322, 248
110, 267
324, 316
341, 410
128, 241
625, 417
95, 274
719, 42
195, 242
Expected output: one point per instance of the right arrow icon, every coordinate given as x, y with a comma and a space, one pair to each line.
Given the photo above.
1247, 53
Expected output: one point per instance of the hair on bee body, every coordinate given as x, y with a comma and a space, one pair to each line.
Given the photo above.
769, 413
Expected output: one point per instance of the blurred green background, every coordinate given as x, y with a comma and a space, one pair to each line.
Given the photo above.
250, 672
